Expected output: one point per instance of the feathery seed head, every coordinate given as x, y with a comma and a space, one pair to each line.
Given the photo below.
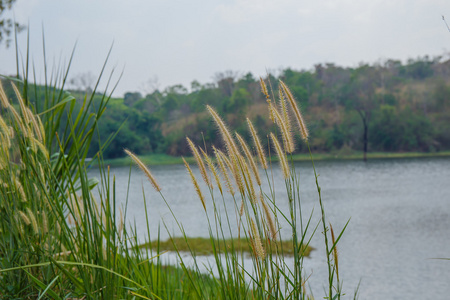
235, 171
287, 136
21, 104
300, 121
44, 222
38, 145
3, 98
226, 136
35, 124
270, 221
249, 158
264, 88
19, 223
23, 129
241, 210
284, 110
258, 146
144, 169
20, 190
5, 131
213, 169
200, 163
248, 181
41, 128
281, 156
120, 228
24, 217
224, 171
196, 186
5, 136
33, 220
257, 240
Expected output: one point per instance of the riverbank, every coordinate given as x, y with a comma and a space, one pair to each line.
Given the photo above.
164, 159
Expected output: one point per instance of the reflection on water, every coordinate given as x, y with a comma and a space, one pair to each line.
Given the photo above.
399, 211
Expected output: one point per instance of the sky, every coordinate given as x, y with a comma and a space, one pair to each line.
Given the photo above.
161, 43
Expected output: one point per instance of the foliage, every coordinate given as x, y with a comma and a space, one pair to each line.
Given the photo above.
58, 241
234, 174
346, 108
7, 25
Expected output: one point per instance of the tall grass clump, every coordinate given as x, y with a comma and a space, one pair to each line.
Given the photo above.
257, 218
62, 234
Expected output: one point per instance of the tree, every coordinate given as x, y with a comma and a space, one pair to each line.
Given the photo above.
332, 79
84, 82
238, 102
226, 82
7, 25
150, 86
359, 95
131, 98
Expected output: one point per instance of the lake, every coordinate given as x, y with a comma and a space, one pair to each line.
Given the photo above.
399, 211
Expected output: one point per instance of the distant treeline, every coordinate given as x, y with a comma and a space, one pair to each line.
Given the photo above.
387, 106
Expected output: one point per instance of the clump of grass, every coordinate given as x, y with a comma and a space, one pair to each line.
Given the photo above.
258, 227
59, 241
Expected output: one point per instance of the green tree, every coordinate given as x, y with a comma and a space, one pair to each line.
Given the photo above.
359, 95
238, 102
131, 98
394, 130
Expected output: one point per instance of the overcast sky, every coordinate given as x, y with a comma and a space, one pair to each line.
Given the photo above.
181, 41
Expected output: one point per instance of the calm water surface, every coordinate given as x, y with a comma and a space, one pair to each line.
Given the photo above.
399, 213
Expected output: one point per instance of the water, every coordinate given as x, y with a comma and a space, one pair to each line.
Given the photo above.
399, 213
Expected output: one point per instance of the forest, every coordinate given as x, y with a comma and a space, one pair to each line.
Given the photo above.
384, 107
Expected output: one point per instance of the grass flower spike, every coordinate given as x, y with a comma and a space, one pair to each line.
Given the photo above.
226, 136
195, 182
257, 143
259, 249
144, 169
301, 123
249, 158
281, 156
200, 163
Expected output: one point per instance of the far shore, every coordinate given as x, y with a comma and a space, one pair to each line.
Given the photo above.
164, 159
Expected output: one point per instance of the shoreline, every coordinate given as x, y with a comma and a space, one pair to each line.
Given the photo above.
165, 159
